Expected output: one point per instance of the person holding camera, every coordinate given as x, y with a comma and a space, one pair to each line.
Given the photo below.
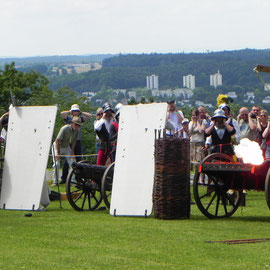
247, 123
266, 136
174, 116
221, 133
196, 130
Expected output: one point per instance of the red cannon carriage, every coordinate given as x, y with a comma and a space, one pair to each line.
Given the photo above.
219, 183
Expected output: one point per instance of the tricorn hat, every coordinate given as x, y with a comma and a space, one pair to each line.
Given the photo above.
224, 106
107, 107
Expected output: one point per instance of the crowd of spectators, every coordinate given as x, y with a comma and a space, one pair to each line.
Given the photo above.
219, 132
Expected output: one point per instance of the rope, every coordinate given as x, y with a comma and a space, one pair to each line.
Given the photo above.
90, 155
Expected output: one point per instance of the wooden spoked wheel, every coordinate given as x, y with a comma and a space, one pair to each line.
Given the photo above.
83, 194
106, 185
267, 188
211, 193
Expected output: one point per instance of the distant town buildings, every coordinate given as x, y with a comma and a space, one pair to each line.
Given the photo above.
232, 95
266, 100
267, 87
117, 91
89, 95
132, 94
249, 97
152, 82
189, 81
182, 93
75, 68
199, 103
216, 79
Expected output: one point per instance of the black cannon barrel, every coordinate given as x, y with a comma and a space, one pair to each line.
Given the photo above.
89, 171
239, 175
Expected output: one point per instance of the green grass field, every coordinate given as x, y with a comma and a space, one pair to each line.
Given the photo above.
66, 239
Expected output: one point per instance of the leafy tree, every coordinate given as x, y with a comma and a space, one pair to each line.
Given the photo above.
132, 101
22, 85
143, 101
32, 89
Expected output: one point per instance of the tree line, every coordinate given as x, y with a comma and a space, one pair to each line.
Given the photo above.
130, 71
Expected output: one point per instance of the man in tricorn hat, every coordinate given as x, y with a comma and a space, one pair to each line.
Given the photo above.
231, 121
102, 128
221, 133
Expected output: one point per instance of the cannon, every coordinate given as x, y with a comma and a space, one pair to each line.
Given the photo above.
87, 185
219, 183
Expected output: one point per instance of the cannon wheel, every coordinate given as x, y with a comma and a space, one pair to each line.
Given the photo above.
106, 185
267, 188
82, 194
211, 196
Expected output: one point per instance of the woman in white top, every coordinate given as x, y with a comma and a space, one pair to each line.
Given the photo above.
196, 130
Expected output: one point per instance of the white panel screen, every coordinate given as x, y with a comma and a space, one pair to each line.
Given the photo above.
134, 165
29, 137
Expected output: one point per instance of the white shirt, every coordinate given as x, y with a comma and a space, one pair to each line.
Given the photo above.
3, 134
175, 121
99, 123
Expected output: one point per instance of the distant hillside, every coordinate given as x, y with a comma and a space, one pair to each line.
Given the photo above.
130, 71
55, 59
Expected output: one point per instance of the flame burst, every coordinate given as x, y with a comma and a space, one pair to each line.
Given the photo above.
249, 151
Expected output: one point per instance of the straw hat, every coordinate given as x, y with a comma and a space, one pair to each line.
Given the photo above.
77, 120
75, 107
99, 111
185, 120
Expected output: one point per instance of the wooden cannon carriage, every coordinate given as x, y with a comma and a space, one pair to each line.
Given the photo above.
219, 183
88, 184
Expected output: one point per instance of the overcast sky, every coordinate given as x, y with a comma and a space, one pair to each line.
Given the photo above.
62, 27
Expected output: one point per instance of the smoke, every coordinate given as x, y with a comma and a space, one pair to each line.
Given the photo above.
249, 151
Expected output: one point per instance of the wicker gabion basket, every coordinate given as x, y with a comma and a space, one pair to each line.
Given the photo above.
171, 193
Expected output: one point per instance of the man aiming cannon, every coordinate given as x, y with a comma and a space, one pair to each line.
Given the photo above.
67, 135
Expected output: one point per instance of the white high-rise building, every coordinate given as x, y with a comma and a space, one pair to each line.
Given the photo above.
216, 79
152, 82
189, 81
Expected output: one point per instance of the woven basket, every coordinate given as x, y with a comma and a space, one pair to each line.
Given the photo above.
171, 193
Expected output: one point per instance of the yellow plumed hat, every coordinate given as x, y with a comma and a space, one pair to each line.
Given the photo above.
223, 99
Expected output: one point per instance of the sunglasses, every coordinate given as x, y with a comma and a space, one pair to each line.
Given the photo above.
98, 114
263, 115
244, 114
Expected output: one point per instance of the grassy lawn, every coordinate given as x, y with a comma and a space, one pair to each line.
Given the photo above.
66, 239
